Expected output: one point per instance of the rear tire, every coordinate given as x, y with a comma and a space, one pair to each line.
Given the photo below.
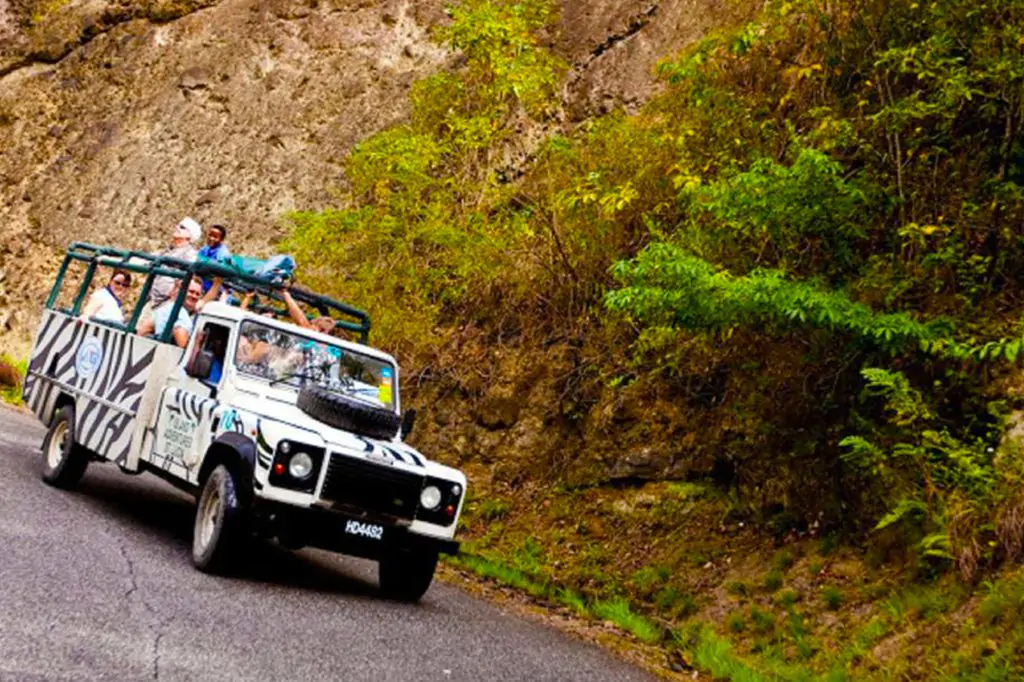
64, 461
218, 533
405, 575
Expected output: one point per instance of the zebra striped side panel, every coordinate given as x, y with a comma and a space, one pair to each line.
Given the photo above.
104, 369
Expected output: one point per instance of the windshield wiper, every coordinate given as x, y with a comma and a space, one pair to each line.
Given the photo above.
296, 375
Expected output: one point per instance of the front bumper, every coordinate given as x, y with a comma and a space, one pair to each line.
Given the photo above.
345, 533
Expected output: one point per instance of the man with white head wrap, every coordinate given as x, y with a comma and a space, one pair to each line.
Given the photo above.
186, 234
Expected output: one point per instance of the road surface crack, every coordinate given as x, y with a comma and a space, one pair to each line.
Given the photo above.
156, 652
159, 630
133, 585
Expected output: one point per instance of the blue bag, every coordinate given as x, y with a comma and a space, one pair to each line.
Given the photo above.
275, 269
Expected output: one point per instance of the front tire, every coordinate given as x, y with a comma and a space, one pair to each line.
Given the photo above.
219, 529
405, 575
64, 461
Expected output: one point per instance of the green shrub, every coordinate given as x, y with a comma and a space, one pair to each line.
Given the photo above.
12, 394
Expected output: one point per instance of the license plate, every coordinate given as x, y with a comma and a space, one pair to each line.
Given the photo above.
372, 531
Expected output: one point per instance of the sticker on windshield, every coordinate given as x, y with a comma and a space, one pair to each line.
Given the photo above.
384, 394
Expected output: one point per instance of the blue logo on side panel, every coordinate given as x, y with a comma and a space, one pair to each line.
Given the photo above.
89, 357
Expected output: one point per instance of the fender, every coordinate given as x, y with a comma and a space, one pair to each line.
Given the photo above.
233, 449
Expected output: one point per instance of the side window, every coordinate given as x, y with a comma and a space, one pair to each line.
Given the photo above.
208, 351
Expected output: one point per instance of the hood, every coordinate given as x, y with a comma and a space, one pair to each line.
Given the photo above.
280, 418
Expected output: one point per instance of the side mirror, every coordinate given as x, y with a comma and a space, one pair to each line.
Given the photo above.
408, 420
201, 365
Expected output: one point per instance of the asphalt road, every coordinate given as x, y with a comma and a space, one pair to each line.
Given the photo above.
97, 585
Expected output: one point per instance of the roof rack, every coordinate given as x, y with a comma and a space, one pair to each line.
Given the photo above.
347, 317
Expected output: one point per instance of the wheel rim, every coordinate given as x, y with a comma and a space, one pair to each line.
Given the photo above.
58, 443
209, 512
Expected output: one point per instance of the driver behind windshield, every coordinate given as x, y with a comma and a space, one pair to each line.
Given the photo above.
280, 356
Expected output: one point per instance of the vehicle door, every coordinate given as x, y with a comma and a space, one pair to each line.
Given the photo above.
190, 398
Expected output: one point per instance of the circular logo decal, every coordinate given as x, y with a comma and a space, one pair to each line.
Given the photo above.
89, 357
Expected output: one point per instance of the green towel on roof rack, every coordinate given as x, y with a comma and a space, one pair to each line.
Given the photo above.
275, 269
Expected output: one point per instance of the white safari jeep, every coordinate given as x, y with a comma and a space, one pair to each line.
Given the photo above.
279, 431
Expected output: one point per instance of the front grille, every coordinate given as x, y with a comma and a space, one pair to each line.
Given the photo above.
372, 487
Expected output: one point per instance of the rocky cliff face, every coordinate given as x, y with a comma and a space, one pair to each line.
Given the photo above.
119, 117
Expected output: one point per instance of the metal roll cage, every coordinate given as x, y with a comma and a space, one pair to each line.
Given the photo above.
345, 316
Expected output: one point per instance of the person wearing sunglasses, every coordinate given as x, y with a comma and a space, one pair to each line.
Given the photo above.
107, 303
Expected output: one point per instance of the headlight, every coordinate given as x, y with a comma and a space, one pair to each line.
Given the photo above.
456, 490
300, 466
285, 447
430, 498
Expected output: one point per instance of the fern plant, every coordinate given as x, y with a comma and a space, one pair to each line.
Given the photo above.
916, 467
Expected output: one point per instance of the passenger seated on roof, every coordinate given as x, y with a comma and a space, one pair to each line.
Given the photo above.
183, 236
105, 304
155, 324
215, 250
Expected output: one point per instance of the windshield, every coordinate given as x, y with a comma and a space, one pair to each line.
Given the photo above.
297, 360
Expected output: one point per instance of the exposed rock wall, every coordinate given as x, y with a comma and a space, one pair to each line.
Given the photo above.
117, 118
615, 46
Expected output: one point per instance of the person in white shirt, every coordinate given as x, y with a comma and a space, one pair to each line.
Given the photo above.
106, 303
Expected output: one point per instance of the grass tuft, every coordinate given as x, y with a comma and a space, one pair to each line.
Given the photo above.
738, 588
491, 509
773, 580
833, 597
619, 612
1005, 599
715, 655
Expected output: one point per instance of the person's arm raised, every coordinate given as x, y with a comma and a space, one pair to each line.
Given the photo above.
295, 311
211, 294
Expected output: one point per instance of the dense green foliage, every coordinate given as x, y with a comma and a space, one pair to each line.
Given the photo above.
827, 188
416, 232
882, 162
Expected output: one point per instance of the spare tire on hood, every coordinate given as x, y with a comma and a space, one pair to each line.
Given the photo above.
347, 413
